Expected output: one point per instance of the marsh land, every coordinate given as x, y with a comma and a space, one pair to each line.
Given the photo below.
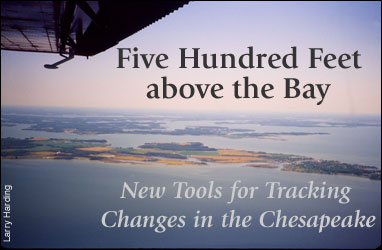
185, 153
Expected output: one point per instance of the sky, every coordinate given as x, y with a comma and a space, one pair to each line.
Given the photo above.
217, 27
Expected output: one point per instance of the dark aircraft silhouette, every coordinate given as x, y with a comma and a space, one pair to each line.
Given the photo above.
70, 28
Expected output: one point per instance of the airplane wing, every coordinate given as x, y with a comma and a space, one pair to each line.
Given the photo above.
83, 28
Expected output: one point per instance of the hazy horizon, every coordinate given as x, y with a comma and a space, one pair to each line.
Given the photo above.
195, 111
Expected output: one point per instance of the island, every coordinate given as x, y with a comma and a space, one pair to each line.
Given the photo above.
186, 153
83, 125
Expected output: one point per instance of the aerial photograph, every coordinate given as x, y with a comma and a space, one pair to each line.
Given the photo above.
144, 124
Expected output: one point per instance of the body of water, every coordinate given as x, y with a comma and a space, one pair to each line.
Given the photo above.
61, 203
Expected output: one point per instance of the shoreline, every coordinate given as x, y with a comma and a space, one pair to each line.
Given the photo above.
152, 164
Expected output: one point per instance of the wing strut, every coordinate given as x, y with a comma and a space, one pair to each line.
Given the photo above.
66, 58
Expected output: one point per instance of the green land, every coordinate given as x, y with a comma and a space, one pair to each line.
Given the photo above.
187, 153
